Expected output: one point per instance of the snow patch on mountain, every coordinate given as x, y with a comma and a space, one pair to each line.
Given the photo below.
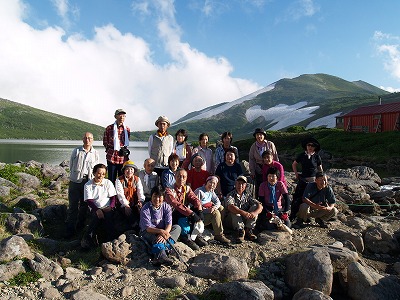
282, 115
328, 121
217, 110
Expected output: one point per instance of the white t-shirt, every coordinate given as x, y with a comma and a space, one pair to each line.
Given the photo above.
100, 193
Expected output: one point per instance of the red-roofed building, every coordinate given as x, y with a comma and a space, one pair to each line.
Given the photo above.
373, 118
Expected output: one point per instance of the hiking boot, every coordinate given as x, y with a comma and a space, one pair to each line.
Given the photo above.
200, 241
86, 243
190, 243
299, 224
240, 236
162, 259
321, 223
222, 239
250, 235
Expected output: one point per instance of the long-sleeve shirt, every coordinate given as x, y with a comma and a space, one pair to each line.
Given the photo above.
180, 199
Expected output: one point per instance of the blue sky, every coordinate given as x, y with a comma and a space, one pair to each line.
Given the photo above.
85, 58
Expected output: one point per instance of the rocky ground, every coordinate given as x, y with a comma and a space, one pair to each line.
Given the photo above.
364, 240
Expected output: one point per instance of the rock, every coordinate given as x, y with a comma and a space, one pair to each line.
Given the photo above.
49, 269
110, 269
172, 282
354, 238
126, 291
379, 240
53, 172
96, 271
311, 269
55, 186
27, 202
367, 284
242, 289
340, 257
28, 180
358, 223
274, 236
219, 267
117, 250
185, 252
310, 294
73, 273
7, 183
23, 223
54, 213
51, 293
14, 246
85, 294
4, 190
10, 269
396, 267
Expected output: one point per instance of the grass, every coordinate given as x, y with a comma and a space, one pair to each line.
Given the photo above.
24, 278
85, 260
173, 294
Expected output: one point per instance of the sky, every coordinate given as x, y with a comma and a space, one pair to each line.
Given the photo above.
86, 58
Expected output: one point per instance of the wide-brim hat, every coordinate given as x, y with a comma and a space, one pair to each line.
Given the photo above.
259, 130
162, 119
311, 140
131, 164
242, 178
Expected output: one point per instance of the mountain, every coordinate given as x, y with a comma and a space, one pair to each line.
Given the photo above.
20, 121
310, 100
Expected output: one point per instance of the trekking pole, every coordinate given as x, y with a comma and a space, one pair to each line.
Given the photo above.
179, 256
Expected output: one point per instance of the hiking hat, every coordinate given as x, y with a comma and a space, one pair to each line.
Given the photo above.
242, 178
131, 164
163, 119
313, 141
260, 130
119, 111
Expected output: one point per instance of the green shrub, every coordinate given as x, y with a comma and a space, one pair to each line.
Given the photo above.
9, 172
25, 278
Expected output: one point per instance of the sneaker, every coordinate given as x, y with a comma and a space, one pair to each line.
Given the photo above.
240, 236
161, 258
222, 239
250, 235
190, 243
200, 241
321, 223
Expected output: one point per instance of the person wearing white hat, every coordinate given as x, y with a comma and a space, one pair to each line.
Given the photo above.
116, 141
161, 145
130, 195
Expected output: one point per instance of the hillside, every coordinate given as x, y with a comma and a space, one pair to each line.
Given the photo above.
310, 100
20, 121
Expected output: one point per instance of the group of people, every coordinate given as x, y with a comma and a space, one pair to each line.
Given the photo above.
182, 189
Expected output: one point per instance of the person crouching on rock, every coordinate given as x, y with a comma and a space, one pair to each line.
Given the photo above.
188, 212
318, 202
100, 196
274, 196
130, 195
243, 211
156, 227
212, 208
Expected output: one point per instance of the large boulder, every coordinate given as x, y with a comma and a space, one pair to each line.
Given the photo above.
116, 250
11, 269
380, 240
49, 269
18, 223
274, 236
219, 267
310, 294
340, 256
242, 289
310, 269
53, 172
27, 180
85, 294
364, 283
14, 246
355, 238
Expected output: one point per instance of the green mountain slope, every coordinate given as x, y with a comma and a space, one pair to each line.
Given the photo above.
18, 121
332, 94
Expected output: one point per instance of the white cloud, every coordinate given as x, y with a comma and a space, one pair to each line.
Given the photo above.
302, 8
89, 78
390, 89
387, 45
